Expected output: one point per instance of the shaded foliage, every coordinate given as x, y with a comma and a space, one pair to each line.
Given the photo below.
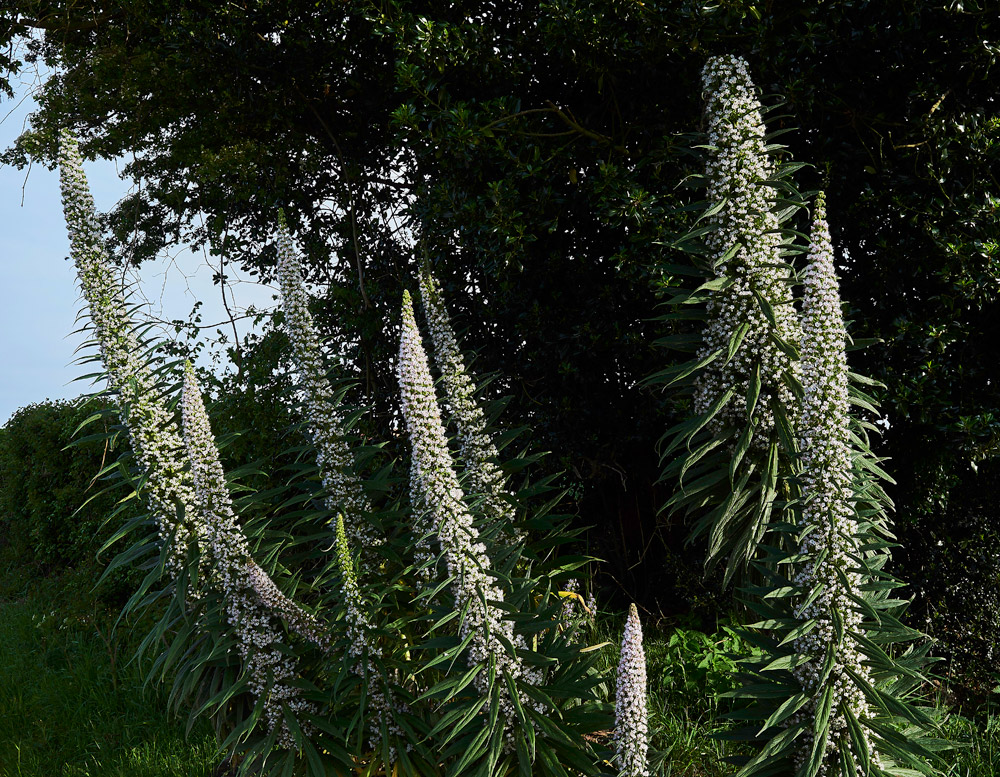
52, 505
531, 150
960, 578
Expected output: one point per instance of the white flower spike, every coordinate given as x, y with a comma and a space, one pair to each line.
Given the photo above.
153, 434
251, 597
631, 715
436, 489
225, 540
828, 519
344, 493
745, 223
475, 445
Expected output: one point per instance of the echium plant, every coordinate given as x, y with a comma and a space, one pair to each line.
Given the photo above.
251, 598
750, 313
490, 636
344, 493
184, 486
527, 701
155, 439
476, 448
631, 715
829, 547
741, 380
833, 690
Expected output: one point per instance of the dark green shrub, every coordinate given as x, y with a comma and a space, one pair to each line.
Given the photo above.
697, 668
43, 484
950, 552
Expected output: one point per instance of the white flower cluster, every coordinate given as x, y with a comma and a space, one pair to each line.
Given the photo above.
828, 521
251, 597
477, 450
436, 488
569, 602
363, 649
153, 434
344, 493
738, 165
631, 716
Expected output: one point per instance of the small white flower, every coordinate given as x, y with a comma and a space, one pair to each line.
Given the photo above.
569, 602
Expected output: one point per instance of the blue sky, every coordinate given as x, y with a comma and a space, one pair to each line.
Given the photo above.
38, 293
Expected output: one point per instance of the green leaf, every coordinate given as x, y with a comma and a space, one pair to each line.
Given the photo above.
736, 340
821, 731
475, 749
786, 662
786, 709
859, 740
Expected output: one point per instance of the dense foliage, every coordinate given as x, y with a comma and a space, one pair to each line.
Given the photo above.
532, 155
53, 505
526, 145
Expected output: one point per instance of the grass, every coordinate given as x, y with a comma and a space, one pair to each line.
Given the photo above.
71, 703
981, 755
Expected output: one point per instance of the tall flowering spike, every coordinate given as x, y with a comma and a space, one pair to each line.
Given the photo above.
437, 489
745, 223
251, 597
631, 716
153, 434
157, 443
226, 545
828, 519
476, 447
344, 493
358, 624
363, 648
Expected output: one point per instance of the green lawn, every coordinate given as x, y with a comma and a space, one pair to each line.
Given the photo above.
71, 704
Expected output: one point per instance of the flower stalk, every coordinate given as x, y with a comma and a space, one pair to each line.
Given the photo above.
153, 434
828, 523
436, 488
251, 598
363, 650
476, 448
631, 715
344, 493
753, 306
